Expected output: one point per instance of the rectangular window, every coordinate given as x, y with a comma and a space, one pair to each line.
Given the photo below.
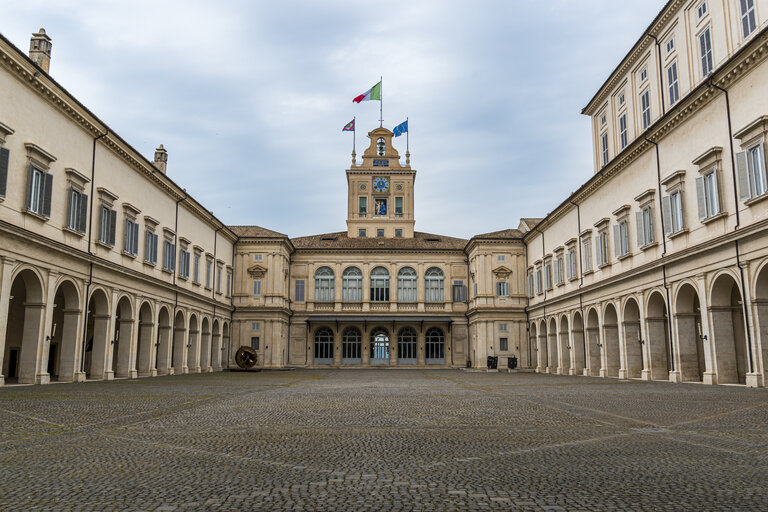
363, 206
676, 210
748, 17
108, 226
255, 326
459, 291
503, 344
645, 102
131, 242
39, 191
621, 99
750, 170
229, 284
530, 286
256, 288
501, 257
150, 247
705, 47
548, 276
218, 280
644, 75
169, 256
670, 44
674, 87
475, 290
258, 257
398, 207
197, 269
604, 142
208, 274
5, 156
602, 248
299, 294
559, 278
502, 289
503, 327
623, 130
707, 195
570, 264
379, 233
539, 285
78, 211
255, 342
361, 233
586, 252
701, 10
184, 263
644, 227
398, 233
621, 239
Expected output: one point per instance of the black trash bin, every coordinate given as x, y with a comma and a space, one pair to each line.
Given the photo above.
469, 363
512, 363
493, 362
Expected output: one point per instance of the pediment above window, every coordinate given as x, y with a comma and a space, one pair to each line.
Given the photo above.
502, 272
257, 271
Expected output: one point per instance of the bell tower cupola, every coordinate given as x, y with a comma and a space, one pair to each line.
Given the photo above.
380, 191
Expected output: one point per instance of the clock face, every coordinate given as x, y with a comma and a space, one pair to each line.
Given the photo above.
380, 184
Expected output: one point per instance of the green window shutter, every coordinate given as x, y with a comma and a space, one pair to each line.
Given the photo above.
82, 218
4, 157
127, 246
30, 175
45, 193
112, 226
742, 173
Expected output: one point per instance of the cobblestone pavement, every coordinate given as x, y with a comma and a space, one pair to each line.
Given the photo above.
350, 440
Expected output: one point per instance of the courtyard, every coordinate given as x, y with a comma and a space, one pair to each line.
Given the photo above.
358, 440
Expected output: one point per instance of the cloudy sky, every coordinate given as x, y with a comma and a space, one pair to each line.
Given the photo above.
249, 97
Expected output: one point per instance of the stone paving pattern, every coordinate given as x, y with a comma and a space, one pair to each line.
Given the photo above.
360, 440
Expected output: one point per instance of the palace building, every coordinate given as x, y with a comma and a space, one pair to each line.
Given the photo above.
656, 268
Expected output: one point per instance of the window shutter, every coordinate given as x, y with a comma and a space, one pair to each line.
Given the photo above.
4, 157
742, 173
701, 197
30, 173
617, 240
598, 251
715, 194
135, 238
112, 226
47, 193
147, 246
127, 235
666, 211
640, 229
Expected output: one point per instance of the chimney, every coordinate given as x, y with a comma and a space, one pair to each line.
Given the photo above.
40, 50
161, 158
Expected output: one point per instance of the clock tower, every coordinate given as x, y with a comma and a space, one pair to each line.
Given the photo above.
380, 196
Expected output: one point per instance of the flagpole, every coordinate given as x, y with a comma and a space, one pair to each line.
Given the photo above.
407, 137
354, 129
381, 102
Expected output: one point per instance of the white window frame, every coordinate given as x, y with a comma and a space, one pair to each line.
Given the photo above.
530, 285
256, 290
604, 142
623, 130
645, 105
748, 17
586, 253
548, 275
706, 52
502, 288
673, 83
539, 284
78, 202
751, 172
325, 284
434, 285
131, 239
407, 285
184, 263
169, 255
670, 44
299, 292
702, 9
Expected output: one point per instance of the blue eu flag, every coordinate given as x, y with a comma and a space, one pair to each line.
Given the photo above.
401, 129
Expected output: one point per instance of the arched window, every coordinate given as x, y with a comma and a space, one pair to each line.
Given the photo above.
352, 285
379, 351
434, 285
351, 346
434, 346
406, 285
324, 346
324, 285
406, 345
379, 285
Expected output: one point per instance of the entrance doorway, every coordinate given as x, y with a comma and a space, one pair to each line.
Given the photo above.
380, 346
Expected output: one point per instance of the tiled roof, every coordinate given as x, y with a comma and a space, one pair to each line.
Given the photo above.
340, 240
255, 232
503, 234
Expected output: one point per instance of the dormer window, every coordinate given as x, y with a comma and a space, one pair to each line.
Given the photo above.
381, 146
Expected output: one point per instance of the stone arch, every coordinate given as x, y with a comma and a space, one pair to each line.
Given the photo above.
205, 346
543, 348
611, 350
564, 347
760, 305
23, 328
163, 345
532, 344
97, 340
122, 339
226, 345
145, 359
323, 345
193, 344
578, 345
593, 342
552, 346
728, 330
216, 346
691, 351
63, 354
178, 348
657, 338
633, 342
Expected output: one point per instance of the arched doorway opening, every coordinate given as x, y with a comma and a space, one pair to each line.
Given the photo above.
407, 346
564, 348
351, 346
226, 349
657, 332
593, 343
179, 344
323, 346
690, 334
729, 331
533, 348
22, 332
122, 338
163, 344
632, 340
552, 347
97, 341
62, 351
205, 346
145, 359
761, 313
543, 348
379, 351
193, 346
434, 346
578, 345
611, 342
216, 347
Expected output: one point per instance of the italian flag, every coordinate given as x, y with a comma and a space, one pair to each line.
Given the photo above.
374, 93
